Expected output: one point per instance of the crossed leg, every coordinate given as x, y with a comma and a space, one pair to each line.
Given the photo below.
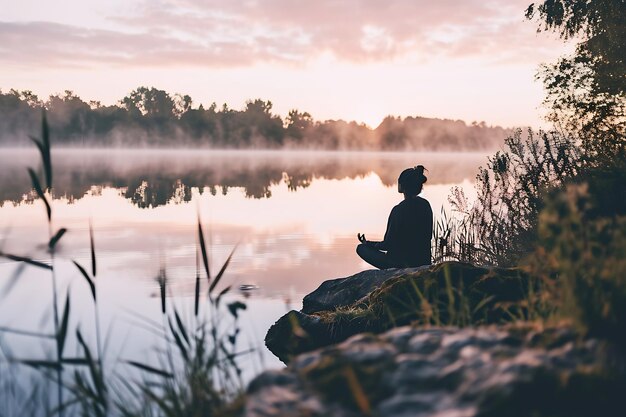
375, 257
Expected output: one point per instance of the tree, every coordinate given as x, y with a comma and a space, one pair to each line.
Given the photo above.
297, 124
586, 91
149, 102
182, 103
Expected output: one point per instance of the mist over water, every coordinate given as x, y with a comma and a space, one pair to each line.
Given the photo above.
293, 214
151, 178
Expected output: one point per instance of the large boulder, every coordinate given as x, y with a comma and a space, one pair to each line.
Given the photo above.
450, 293
342, 292
487, 371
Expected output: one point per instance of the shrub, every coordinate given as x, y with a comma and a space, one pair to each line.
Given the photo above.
583, 251
501, 226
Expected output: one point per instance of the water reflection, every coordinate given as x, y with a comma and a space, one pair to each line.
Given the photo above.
156, 178
144, 206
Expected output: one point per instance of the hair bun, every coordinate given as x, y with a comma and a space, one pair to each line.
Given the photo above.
419, 169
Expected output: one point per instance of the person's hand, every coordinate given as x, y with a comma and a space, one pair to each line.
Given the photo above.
361, 238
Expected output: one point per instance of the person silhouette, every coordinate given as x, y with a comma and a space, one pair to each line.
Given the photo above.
409, 228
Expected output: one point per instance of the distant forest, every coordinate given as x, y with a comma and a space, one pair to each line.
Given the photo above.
149, 117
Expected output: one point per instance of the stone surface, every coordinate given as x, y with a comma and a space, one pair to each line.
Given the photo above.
450, 293
411, 371
342, 292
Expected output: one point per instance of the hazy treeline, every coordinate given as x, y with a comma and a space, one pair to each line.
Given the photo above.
153, 117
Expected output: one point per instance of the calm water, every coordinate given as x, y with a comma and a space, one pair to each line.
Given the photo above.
293, 215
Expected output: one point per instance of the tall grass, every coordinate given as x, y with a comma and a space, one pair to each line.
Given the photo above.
196, 373
500, 227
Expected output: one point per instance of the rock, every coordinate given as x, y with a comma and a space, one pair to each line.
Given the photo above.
342, 292
375, 301
411, 371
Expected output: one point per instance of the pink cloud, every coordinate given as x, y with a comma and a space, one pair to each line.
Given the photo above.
237, 33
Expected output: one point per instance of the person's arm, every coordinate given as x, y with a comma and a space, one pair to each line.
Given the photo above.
389, 233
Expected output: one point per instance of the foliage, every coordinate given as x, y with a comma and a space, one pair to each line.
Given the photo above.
586, 91
153, 117
500, 228
582, 252
197, 374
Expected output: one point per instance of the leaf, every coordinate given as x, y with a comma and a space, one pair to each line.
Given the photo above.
178, 340
234, 308
93, 250
74, 361
55, 239
221, 294
40, 147
150, 369
37, 363
205, 259
181, 327
92, 285
25, 260
219, 275
62, 334
196, 304
47, 160
162, 281
96, 374
37, 186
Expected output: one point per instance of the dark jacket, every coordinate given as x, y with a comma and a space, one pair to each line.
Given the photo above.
409, 232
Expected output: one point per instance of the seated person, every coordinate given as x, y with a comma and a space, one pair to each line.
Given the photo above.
409, 229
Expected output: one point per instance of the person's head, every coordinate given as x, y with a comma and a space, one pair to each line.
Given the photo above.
411, 181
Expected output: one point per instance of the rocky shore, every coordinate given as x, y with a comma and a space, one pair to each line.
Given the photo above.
445, 340
412, 371
450, 293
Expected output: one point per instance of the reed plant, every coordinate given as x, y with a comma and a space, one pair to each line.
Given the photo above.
500, 227
196, 373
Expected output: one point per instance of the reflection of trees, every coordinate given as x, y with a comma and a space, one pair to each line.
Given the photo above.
150, 179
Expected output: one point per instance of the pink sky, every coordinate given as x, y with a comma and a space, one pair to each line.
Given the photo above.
351, 59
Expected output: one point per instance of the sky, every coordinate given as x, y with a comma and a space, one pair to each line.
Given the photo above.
473, 60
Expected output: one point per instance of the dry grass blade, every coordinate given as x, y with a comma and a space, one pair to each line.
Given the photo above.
482, 303
220, 274
37, 186
357, 391
203, 250
25, 259
55, 239
92, 285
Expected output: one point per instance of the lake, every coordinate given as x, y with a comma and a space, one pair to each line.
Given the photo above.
293, 218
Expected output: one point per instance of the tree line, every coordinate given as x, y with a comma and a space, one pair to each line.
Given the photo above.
149, 117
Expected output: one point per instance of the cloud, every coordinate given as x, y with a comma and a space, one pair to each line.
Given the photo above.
238, 33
